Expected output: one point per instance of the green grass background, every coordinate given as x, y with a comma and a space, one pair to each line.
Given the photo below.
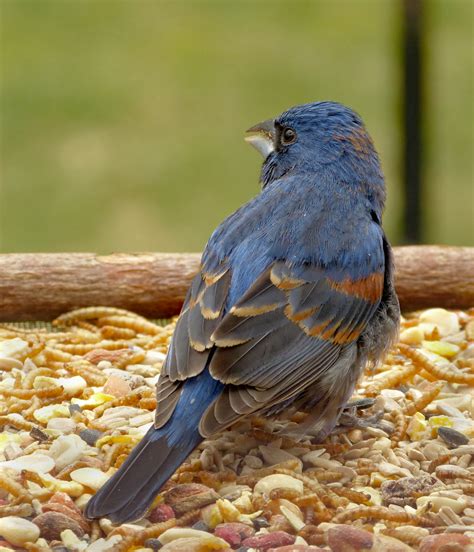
122, 120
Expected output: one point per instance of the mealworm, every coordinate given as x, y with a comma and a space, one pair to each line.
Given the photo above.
353, 496
17, 405
323, 475
31, 476
30, 377
392, 380
17, 423
313, 535
327, 495
96, 531
111, 332
407, 533
131, 399
432, 391
52, 391
89, 313
64, 473
289, 465
134, 358
57, 355
34, 405
401, 425
443, 459
382, 513
14, 488
140, 537
88, 371
88, 326
310, 500
35, 349
215, 480
288, 494
466, 488
440, 372
137, 324
147, 403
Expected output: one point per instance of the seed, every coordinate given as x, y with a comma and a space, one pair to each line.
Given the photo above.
18, 531
452, 437
278, 481
38, 463
90, 436
89, 477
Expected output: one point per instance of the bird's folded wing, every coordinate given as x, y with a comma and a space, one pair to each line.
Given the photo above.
289, 328
191, 344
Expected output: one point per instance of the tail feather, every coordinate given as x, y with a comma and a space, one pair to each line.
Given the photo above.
130, 491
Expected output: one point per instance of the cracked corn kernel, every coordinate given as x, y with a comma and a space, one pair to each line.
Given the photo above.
436, 422
417, 427
441, 348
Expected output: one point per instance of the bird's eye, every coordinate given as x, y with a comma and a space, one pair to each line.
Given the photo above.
288, 136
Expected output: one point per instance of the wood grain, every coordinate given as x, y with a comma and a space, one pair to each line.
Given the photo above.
42, 286
434, 276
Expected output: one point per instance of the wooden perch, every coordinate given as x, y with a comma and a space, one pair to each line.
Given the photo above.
434, 276
42, 286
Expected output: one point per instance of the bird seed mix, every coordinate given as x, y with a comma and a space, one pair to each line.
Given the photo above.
396, 474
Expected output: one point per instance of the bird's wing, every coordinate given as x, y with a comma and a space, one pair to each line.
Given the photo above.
284, 334
191, 344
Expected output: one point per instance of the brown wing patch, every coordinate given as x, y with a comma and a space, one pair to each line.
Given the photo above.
191, 343
368, 288
205, 314
200, 329
349, 335
266, 299
330, 333
235, 330
283, 334
280, 276
300, 315
190, 347
318, 329
212, 277
212, 300
248, 310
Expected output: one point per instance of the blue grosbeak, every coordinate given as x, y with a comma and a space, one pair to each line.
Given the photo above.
294, 295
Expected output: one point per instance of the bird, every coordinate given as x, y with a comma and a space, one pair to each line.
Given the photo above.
293, 297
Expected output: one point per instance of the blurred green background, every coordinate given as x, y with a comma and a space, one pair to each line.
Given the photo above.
122, 121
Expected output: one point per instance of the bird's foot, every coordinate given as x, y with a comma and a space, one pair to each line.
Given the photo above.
351, 419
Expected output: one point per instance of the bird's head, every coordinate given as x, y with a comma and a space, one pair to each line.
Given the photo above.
320, 137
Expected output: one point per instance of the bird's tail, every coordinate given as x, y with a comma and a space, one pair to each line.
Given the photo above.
130, 491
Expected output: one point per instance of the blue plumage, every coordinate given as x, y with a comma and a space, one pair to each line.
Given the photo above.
197, 393
294, 295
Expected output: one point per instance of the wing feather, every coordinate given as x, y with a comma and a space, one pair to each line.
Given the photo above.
167, 396
191, 343
268, 356
283, 336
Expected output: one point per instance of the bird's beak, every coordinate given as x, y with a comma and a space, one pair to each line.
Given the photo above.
262, 137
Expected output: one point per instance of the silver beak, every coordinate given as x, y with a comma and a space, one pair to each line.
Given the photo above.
262, 137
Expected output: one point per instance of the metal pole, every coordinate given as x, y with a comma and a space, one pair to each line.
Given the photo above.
412, 119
